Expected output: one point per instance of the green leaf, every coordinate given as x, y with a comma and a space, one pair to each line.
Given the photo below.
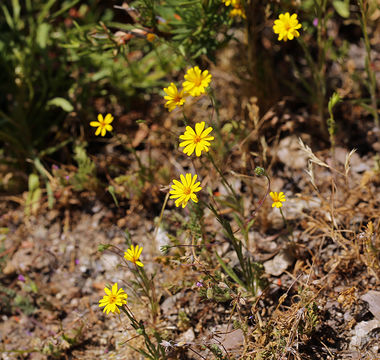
342, 8
103, 247
50, 195
229, 271
16, 11
8, 17
40, 168
65, 8
35, 200
42, 35
62, 103
45, 11
33, 182
111, 190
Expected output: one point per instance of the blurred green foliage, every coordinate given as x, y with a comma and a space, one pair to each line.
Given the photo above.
34, 74
59, 57
194, 27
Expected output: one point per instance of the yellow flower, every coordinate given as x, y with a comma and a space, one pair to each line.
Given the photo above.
185, 190
228, 2
103, 125
113, 299
196, 81
174, 98
150, 37
238, 9
286, 27
278, 199
197, 140
133, 254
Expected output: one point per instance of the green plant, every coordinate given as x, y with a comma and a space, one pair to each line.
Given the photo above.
250, 272
85, 175
34, 76
190, 26
143, 284
331, 126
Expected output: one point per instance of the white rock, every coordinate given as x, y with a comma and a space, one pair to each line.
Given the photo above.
373, 299
279, 263
361, 331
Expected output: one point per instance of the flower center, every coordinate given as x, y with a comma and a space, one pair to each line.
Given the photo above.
177, 98
287, 26
198, 81
112, 299
187, 191
197, 139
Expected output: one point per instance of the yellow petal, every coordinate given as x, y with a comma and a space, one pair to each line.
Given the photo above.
114, 289
199, 128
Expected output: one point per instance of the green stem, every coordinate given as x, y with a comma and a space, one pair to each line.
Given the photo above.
140, 329
148, 289
185, 119
130, 147
286, 224
224, 180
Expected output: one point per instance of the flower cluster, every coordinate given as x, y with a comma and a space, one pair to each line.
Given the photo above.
195, 84
117, 297
195, 139
237, 8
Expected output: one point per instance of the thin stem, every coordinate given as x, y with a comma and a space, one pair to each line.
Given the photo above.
185, 119
133, 150
286, 224
149, 290
224, 180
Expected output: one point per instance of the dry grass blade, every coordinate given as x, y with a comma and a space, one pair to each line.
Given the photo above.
311, 155
347, 162
310, 172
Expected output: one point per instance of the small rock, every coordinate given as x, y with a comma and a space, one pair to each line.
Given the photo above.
361, 332
373, 299
187, 337
168, 306
109, 261
162, 238
279, 263
229, 338
233, 340
290, 154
